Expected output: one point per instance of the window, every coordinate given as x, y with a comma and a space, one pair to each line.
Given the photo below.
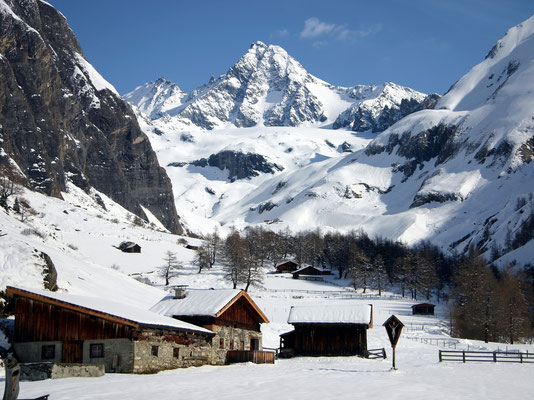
176, 352
155, 350
231, 344
96, 350
221, 343
48, 352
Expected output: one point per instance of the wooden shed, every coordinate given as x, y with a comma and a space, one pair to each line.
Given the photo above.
309, 272
63, 328
337, 330
230, 313
129, 247
287, 266
423, 309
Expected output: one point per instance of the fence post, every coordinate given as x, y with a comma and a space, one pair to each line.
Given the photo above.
463, 355
440, 356
494, 356
521, 357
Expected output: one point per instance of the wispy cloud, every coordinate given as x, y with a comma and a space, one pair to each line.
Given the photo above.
280, 33
317, 29
314, 28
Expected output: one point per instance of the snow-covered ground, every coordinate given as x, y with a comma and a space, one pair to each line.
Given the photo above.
419, 374
80, 243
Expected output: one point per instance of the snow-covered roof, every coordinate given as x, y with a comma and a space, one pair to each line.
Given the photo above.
306, 267
202, 302
331, 314
128, 313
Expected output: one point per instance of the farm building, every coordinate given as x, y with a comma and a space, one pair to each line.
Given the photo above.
287, 266
423, 309
336, 330
230, 313
129, 247
62, 328
310, 273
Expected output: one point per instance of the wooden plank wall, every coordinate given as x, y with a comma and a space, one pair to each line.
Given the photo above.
313, 339
239, 315
36, 321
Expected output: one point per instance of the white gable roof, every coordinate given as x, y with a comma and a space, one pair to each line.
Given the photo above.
133, 314
341, 314
204, 302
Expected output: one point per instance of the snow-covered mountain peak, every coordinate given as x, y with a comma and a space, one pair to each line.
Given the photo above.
157, 98
509, 58
266, 87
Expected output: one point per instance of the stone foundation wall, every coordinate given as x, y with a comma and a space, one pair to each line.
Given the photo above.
234, 339
42, 371
118, 354
30, 352
193, 350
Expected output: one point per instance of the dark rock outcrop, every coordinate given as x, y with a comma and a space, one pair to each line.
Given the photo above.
50, 273
60, 121
239, 165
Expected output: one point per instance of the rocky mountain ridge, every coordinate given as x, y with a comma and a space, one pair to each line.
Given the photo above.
61, 121
268, 87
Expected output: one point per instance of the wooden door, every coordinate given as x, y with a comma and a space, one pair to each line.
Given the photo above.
72, 351
254, 344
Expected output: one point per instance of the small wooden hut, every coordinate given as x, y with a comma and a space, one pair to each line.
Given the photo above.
309, 272
63, 328
129, 247
287, 266
339, 330
423, 309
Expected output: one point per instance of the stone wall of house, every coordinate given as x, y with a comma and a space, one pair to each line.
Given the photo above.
155, 352
233, 339
118, 354
30, 352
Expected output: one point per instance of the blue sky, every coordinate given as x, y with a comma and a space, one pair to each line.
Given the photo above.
423, 44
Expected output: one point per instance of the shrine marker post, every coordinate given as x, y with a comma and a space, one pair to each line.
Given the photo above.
393, 327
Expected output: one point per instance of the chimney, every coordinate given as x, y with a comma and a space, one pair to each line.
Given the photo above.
180, 291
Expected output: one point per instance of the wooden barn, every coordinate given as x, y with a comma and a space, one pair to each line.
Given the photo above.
423, 309
129, 247
61, 328
230, 313
287, 266
308, 272
337, 330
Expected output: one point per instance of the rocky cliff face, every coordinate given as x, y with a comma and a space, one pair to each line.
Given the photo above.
60, 120
382, 106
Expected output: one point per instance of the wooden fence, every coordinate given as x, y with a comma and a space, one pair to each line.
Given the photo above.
255, 356
376, 353
486, 356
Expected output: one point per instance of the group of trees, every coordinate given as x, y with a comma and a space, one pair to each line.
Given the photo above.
485, 304
489, 304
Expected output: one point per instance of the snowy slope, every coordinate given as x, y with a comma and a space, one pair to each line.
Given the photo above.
453, 174
80, 236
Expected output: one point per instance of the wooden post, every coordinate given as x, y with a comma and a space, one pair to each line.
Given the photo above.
463, 354
440, 356
393, 347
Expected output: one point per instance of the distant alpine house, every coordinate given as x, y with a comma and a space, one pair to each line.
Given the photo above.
230, 313
58, 328
337, 330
